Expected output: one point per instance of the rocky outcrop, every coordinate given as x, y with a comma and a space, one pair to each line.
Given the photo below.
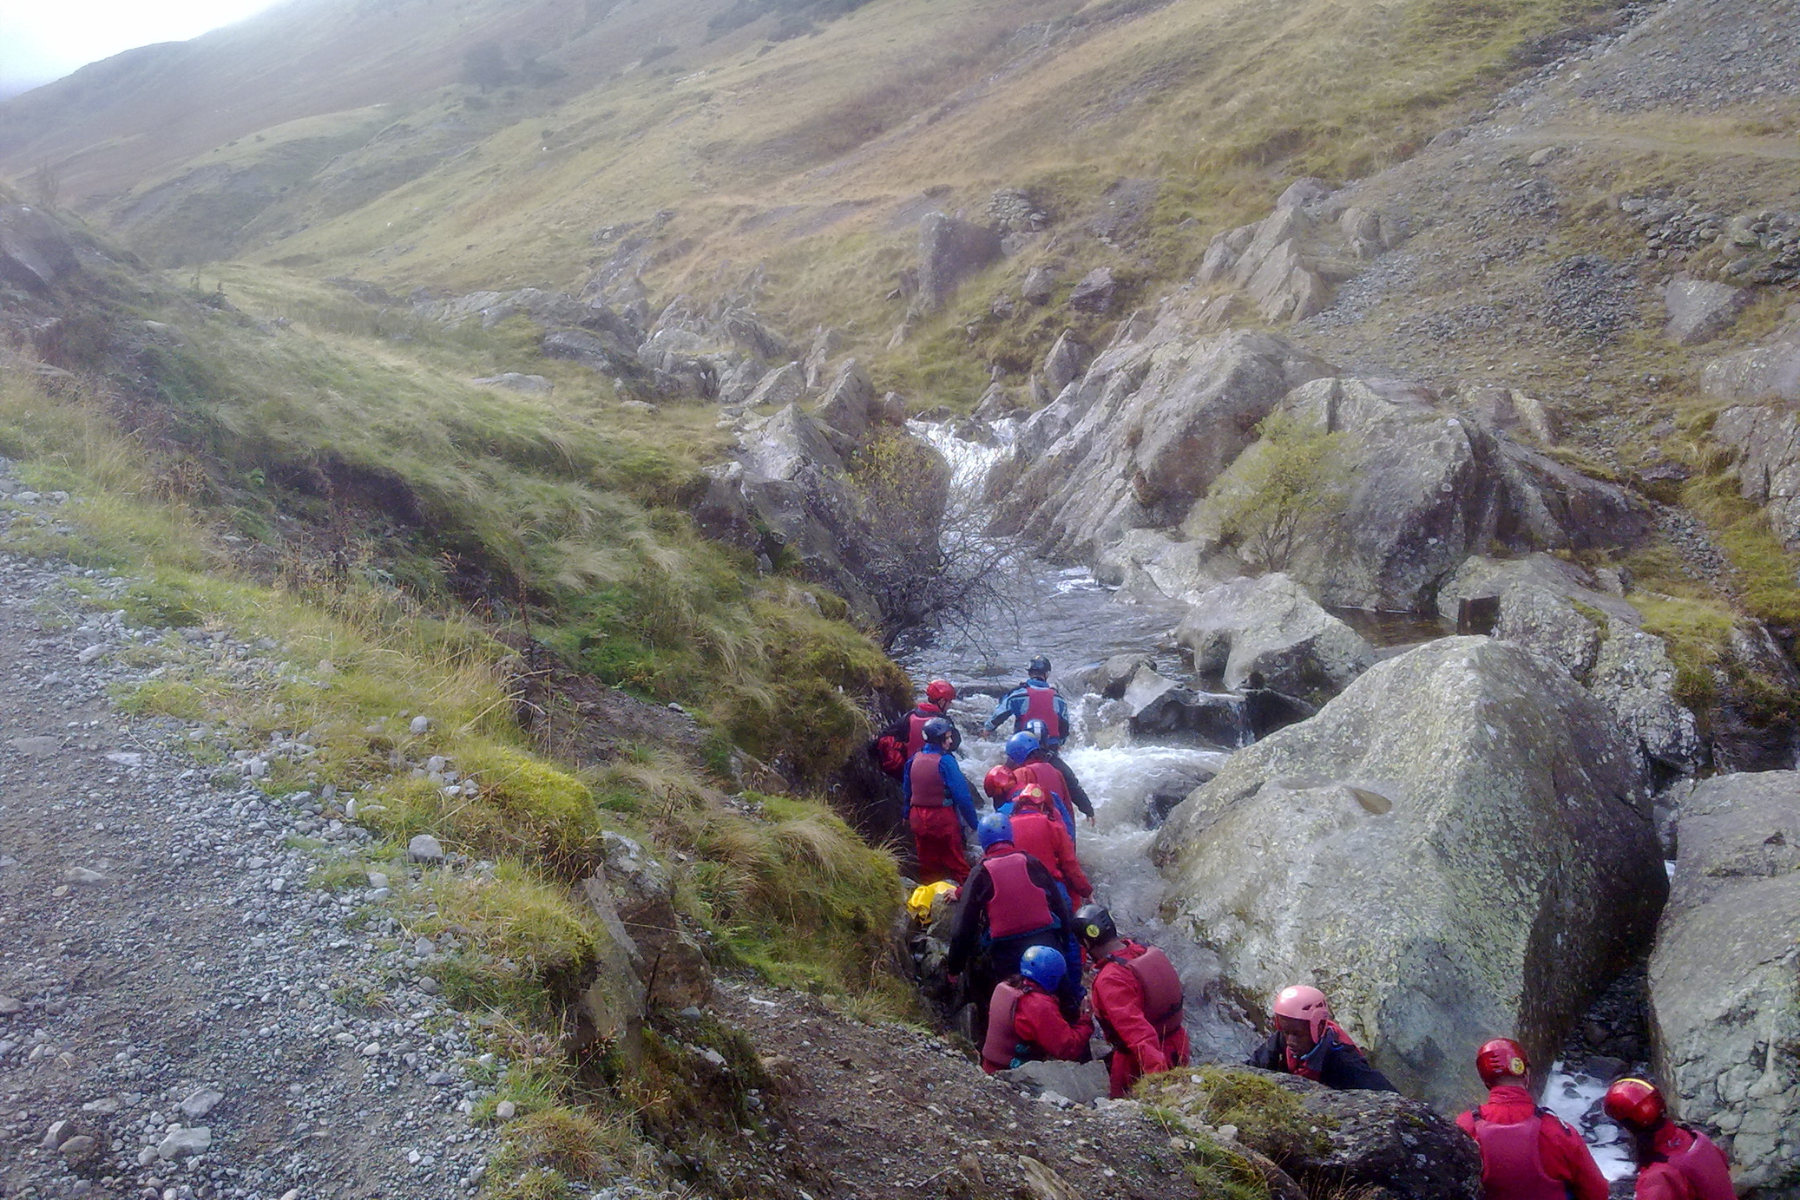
1287, 262
1095, 291
1270, 627
1769, 371
35, 252
1766, 440
1725, 975
1700, 309
1160, 707
1457, 844
950, 251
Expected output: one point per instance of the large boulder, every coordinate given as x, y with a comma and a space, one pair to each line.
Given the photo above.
1769, 371
1700, 309
1458, 844
1272, 628
1725, 975
950, 251
1766, 440
34, 251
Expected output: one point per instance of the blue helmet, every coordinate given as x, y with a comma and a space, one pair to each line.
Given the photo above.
1044, 967
994, 828
1019, 747
936, 730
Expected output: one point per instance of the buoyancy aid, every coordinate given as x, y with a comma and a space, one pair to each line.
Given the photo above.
1163, 993
1700, 1162
1040, 705
1512, 1161
928, 789
1044, 775
915, 727
1019, 906
1001, 1048
1032, 833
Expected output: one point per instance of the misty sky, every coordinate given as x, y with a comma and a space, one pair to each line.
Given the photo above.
41, 40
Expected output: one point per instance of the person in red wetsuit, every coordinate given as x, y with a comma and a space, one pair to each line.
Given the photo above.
1526, 1153
1674, 1161
1137, 999
1025, 1021
935, 796
895, 745
1038, 830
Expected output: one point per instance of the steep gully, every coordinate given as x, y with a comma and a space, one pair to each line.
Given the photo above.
1066, 614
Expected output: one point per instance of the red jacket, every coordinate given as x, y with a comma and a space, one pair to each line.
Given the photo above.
1565, 1156
1039, 1021
1118, 1000
1043, 836
1690, 1167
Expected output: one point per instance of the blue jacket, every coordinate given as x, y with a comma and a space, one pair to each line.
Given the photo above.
955, 786
1015, 703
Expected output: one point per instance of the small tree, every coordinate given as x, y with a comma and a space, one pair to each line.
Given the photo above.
1283, 490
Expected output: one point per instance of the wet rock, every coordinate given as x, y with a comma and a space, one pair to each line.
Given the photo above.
1271, 627
1160, 707
1700, 309
1111, 677
35, 253
950, 251
1458, 843
1766, 442
1725, 975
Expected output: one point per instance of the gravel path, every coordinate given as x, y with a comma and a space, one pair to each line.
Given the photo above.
169, 981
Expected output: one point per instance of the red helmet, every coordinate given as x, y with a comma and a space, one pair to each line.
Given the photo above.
998, 782
1500, 1059
1636, 1103
1031, 797
1304, 1003
940, 692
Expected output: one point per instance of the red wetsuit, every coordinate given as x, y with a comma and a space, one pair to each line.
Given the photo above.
1043, 836
1143, 1042
1034, 1023
1688, 1167
1562, 1159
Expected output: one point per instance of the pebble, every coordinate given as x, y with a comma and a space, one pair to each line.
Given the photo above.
91, 653
83, 875
185, 1143
425, 848
10, 1005
420, 724
79, 1146
505, 1110
53, 1137
200, 1103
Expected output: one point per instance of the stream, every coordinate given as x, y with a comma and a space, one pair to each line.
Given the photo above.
1069, 616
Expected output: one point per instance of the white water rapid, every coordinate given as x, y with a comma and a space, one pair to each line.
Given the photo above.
1066, 614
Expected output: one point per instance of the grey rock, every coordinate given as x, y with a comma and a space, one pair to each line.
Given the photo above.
1699, 309
35, 253
83, 875
200, 1102
1769, 371
850, 405
1067, 359
11, 1006
1766, 443
184, 1143
1095, 292
79, 1148
950, 252
89, 653
429, 986
1634, 677
1081, 1083
1272, 626
419, 724
1111, 677
505, 1110
423, 848
54, 1135
440, 1079
1039, 285
639, 406
782, 386
1432, 853
35, 745
1725, 974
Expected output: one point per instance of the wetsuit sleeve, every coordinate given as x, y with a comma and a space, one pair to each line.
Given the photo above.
1059, 906
977, 890
1004, 709
1062, 718
1118, 998
1466, 1123
1077, 794
1268, 1056
1069, 865
957, 788
1568, 1159
1040, 1022
1347, 1070
905, 792
1660, 1181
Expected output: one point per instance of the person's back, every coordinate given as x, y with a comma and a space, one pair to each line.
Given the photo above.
1526, 1152
1025, 1019
1046, 839
1687, 1165
1137, 999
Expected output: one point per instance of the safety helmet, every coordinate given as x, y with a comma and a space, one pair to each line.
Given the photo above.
998, 782
1019, 747
1304, 1003
1038, 666
1044, 967
1635, 1102
1094, 925
1499, 1059
1031, 796
1037, 729
940, 692
993, 829
937, 729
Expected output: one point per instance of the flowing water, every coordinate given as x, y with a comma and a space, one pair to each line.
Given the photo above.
1071, 618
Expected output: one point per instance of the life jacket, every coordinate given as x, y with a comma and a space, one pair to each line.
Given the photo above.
1032, 833
928, 789
1512, 1161
1040, 705
1044, 775
1163, 993
1002, 1048
1700, 1162
1297, 1065
915, 727
1019, 906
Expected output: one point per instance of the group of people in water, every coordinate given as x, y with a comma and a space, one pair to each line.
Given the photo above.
1025, 933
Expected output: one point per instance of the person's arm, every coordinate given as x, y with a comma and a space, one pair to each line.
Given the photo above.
1039, 1021
1077, 794
1062, 718
1002, 710
957, 788
1347, 1070
906, 792
977, 890
1466, 1122
1269, 1056
1118, 998
1070, 866
1568, 1159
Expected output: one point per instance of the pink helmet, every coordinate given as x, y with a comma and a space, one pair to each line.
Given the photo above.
1304, 1003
